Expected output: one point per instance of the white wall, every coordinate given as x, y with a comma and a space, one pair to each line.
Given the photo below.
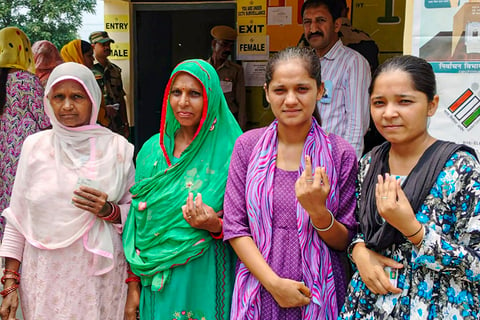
92, 22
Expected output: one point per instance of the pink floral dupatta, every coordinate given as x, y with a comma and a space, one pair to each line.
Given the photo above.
51, 165
316, 262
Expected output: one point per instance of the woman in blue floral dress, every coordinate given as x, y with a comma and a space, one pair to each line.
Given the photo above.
418, 251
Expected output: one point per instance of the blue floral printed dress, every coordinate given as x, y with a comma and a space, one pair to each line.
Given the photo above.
441, 279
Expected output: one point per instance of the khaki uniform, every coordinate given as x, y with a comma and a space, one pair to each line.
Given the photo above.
232, 82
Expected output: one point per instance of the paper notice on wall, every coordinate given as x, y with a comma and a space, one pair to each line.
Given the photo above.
254, 72
279, 16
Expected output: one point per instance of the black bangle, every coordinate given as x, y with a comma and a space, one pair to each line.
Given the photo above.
350, 249
416, 232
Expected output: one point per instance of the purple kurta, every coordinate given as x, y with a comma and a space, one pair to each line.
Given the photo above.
285, 252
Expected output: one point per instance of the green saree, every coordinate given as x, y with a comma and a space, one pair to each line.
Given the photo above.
182, 269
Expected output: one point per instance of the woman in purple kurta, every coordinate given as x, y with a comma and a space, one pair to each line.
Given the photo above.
292, 234
285, 255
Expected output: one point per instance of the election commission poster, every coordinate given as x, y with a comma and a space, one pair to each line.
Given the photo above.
447, 34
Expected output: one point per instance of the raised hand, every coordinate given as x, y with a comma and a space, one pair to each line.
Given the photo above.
199, 215
312, 190
393, 205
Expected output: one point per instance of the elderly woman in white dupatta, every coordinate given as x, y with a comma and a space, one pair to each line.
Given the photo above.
69, 202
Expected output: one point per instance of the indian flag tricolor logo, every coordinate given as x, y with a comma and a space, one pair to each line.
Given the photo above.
466, 109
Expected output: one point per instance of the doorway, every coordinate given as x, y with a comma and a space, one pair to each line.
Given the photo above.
164, 35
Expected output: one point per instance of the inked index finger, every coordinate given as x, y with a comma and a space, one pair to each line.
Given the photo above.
199, 204
392, 187
308, 168
190, 204
198, 200
321, 177
379, 187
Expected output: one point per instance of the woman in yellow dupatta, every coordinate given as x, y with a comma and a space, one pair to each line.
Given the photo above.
21, 106
78, 51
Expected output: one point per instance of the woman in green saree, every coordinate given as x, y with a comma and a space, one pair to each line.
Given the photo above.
173, 234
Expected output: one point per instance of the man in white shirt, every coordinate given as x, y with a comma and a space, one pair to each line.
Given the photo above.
344, 108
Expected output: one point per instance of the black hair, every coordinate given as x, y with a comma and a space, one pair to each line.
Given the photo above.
333, 6
419, 70
306, 55
3, 88
310, 62
86, 46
